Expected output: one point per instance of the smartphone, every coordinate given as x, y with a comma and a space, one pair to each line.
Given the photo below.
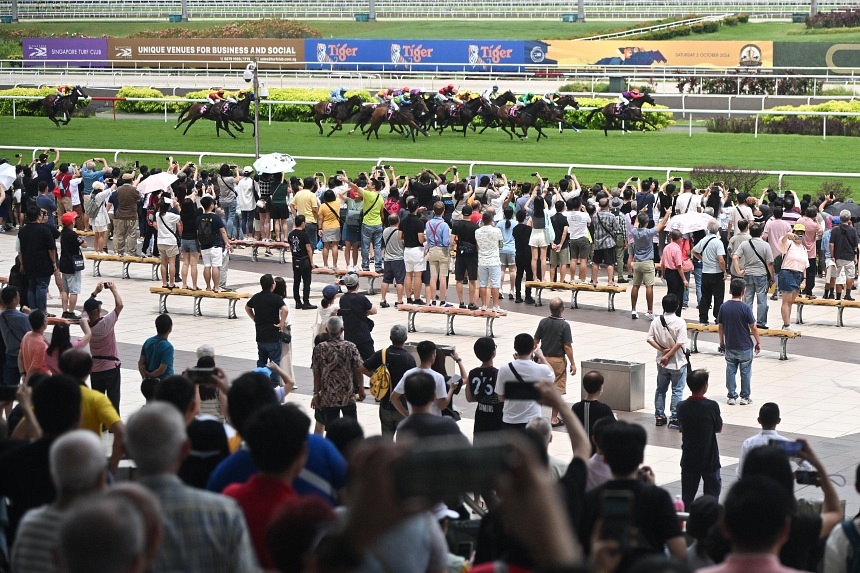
497, 174
18, 155
340, 171
534, 174
439, 468
136, 164
791, 449
106, 285
455, 171
401, 177
545, 179
616, 512
389, 167
457, 382
807, 477
7, 393
634, 179
201, 375
521, 391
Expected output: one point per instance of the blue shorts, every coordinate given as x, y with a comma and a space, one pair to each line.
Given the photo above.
789, 280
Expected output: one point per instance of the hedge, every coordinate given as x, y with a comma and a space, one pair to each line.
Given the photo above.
21, 105
796, 124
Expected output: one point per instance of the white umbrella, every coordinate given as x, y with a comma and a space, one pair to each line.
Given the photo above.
275, 163
689, 222
159, 181
7, 175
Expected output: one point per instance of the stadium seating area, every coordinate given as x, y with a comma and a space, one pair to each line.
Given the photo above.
620, 9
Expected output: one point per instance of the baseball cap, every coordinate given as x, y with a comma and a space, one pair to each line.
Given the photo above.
68, 219
349, 280
441, 511
264, 370
799, 227
248, 169
91, 305
836, 221
205, 350
43, 156
330, 291
127, 177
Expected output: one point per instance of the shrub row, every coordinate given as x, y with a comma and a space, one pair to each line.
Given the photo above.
700, 28
849, 18
795, 124
751, 83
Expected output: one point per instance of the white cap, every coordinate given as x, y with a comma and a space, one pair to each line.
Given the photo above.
205, 350
248, 169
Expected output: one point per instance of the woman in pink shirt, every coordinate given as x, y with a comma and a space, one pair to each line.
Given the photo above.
794, 264
61, 341
31, 357
672, 260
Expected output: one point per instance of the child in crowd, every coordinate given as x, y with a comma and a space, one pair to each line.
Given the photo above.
481, 388
327, 308
700, 422
592, 409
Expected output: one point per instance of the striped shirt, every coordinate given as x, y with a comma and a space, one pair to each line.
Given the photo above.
36, 540
604, 227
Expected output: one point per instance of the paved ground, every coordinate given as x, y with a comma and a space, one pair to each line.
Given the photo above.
817, 388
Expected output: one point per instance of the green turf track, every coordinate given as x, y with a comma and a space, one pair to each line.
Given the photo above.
767, 152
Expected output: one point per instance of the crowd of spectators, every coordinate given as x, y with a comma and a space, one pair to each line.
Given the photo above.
230, 478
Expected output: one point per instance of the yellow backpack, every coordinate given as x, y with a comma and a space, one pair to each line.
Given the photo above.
380, 380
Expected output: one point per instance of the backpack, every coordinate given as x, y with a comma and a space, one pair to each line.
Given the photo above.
92, 207
205, 235
380, 380
853, 562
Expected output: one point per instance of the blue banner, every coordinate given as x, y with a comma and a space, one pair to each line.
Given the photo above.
413, 55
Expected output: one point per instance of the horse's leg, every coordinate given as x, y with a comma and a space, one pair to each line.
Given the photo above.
333, 129
53, 118
225, 125
318, 121
190, 123
68, 115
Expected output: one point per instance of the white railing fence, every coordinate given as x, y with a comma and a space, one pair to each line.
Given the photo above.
472, 163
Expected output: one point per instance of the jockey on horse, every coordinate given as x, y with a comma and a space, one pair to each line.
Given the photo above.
216, 96
448, 93
63, 91
488, 94
525, 99
384, 95
403, 98
337, 95
551, 98
625, 98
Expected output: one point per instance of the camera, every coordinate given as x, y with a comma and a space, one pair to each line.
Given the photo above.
248, 74
340, 171
534, 174
806, 477
18, 155
136, 164
497, 174
201, 375
389, 167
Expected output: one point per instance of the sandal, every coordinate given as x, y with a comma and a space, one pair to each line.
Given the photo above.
558, 423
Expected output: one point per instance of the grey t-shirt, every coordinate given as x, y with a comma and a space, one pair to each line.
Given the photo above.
392, 244
750, 262
424, 538
643, 244
553, 334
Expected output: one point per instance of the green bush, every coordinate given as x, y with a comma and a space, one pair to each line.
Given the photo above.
743, 18
146, 106
698, 28
580, 87
711, 27
730, 21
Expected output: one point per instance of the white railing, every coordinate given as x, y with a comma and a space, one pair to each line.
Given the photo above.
656, 28
472, 163
685, 112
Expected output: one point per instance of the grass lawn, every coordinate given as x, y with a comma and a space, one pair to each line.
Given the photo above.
768, 152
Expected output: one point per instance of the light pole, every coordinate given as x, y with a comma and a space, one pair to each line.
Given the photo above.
580, 10
371, 12
184, 11
14, 11
250, 75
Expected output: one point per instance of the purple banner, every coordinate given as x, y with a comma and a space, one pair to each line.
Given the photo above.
82, 52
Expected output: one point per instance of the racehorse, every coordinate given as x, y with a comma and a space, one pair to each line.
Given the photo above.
450, 114
215, 112
340, 112
632, 114
526, 117
240, 112
404, 116
560, 105
54, 105
490, 113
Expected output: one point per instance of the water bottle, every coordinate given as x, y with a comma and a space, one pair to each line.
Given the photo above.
678, 503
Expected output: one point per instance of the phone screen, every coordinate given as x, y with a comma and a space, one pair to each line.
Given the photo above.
790, 448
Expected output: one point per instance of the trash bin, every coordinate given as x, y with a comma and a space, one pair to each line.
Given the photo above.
569, 17
6, 19
617, 84
174, 18
362, 17
623, 382
799, 17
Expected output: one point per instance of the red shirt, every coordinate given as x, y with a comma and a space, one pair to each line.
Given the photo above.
260, 497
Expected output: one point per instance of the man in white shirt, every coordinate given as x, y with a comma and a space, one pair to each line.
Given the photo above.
768, 417
687, 201
668, 335
489, 240
427, 355
522, 370
580, 245
841, 544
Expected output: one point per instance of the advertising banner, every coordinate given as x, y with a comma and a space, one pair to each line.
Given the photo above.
442, 55
222, 53
660, 53
83, 52
814, 57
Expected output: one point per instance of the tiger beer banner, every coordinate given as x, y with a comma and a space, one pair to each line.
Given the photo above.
660, 53
221, 53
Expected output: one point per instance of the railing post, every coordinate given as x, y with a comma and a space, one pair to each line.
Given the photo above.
165, 112
14, 116
200, 158
824, 131
691, 125
756, 126
270, 112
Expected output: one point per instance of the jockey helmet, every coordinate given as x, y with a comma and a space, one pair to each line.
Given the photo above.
449, 86
220, 92
495, 88
635, 92
405, 90
415, 91
342, 89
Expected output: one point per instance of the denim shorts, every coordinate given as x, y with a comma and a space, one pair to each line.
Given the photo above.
189, 246
789, 280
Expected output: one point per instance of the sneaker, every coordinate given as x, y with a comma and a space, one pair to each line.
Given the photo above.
762, 326
634, 315
483, 309
446, 304
384, 304
398, 303
462, 305
745, 401
529, 300
309, 306
472, 306
518, 300
649, 316
497, 309
703, 322
409, 301
848, 297
660, 421
673, 424
419, 302
789, 328
622, 280
432, 303
732, 401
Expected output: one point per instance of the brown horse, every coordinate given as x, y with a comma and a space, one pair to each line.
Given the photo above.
450, 115
339, 112
405, 116
54, 105
214, 112
490, 113
632, 114
526, 117
362, 118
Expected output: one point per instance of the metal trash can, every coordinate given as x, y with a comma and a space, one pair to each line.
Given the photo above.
623, 382
174, 18
617, 84
362, 17
569, 17
799, 17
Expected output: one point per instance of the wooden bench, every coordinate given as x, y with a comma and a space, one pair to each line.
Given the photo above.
3, 282
450, 313
255, 245
783, 335
85, 233
126, 260
840, 305
575, 289
340, 273
198, 295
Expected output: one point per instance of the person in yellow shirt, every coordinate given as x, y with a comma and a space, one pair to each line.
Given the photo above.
329, 227
305, 202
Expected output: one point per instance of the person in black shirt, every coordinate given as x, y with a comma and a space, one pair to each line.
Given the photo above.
424, 187
399, 360
700, 422
70, 248
481, 388
466, 263
300, 247
412, 235
843, 250
355, 309
269, 313
38, 257
523, 259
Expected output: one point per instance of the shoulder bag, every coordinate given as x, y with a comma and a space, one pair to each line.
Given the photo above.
767, 270
687, 351
172, 232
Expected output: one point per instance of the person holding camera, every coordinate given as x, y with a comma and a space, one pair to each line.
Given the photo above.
105, 373
792, 269
269, 313
126, 231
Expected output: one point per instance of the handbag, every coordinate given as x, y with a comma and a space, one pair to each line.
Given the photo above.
78, 260
549, 231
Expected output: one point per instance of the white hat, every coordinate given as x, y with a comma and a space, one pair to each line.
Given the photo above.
248, 169
205, 350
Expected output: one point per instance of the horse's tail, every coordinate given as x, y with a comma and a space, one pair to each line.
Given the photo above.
591, 114
184, 112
